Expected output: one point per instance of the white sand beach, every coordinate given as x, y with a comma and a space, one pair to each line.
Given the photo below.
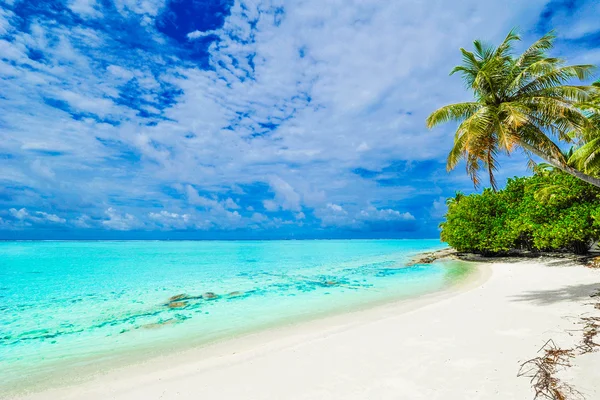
463, 344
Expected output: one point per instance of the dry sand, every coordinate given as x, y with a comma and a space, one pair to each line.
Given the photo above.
466, 344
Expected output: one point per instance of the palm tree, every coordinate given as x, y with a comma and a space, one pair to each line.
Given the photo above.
518, 102
458, 196
587, 157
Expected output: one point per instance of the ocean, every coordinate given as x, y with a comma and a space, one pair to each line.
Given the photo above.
73, 306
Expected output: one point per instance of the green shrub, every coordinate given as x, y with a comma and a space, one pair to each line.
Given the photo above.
548, 211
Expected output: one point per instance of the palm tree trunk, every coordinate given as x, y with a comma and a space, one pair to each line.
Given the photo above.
563, 167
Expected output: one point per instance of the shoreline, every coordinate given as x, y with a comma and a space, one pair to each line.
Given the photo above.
466, 343
88, 368
592, 258
246, 339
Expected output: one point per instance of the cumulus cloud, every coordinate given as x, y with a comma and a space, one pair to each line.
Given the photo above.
200, 34
24, 217
40, 168
169, 220
334, 215
374, 214
270, 205
51, 217
286, 197
195, 199
572, 22
258, 217
86, 8
230, 204
439, 207
19, 214
336, 208
83, 221
120, 222
299, 115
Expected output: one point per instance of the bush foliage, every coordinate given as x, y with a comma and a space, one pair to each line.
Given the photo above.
549, 211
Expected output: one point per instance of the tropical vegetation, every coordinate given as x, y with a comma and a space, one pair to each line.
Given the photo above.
524, 216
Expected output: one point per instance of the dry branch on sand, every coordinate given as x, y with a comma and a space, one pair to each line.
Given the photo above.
542, 371
594, 263
591, 329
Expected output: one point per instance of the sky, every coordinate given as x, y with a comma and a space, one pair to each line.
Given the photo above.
262, 119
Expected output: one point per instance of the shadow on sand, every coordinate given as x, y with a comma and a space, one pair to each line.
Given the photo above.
568, 293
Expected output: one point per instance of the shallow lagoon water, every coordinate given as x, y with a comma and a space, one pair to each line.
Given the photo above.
77, 304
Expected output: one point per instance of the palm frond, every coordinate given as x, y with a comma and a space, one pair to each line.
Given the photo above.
536, 52
587, 157
467, 136
555, 77
506, 45
535, 137
452, 112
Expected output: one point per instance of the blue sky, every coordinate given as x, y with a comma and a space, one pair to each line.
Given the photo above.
243, 119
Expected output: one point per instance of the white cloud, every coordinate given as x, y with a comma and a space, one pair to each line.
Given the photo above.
230, 204
19, 214
167, 215
575, 22
51, 217
120, 72
171, 220
270, 205
285, 195
40, 168
197, 200
439, 207
299, 105
374, 214
5, 25
334, 215
200, 34
336, 208
258, 217
83, 221
86, 8
120, 222
363, 147
37, 217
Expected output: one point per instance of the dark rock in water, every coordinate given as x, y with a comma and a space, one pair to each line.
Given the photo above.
178, 297
209, 296
177, 304
159, 324
183, 297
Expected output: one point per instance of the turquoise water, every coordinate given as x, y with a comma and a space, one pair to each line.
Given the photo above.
80, 304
